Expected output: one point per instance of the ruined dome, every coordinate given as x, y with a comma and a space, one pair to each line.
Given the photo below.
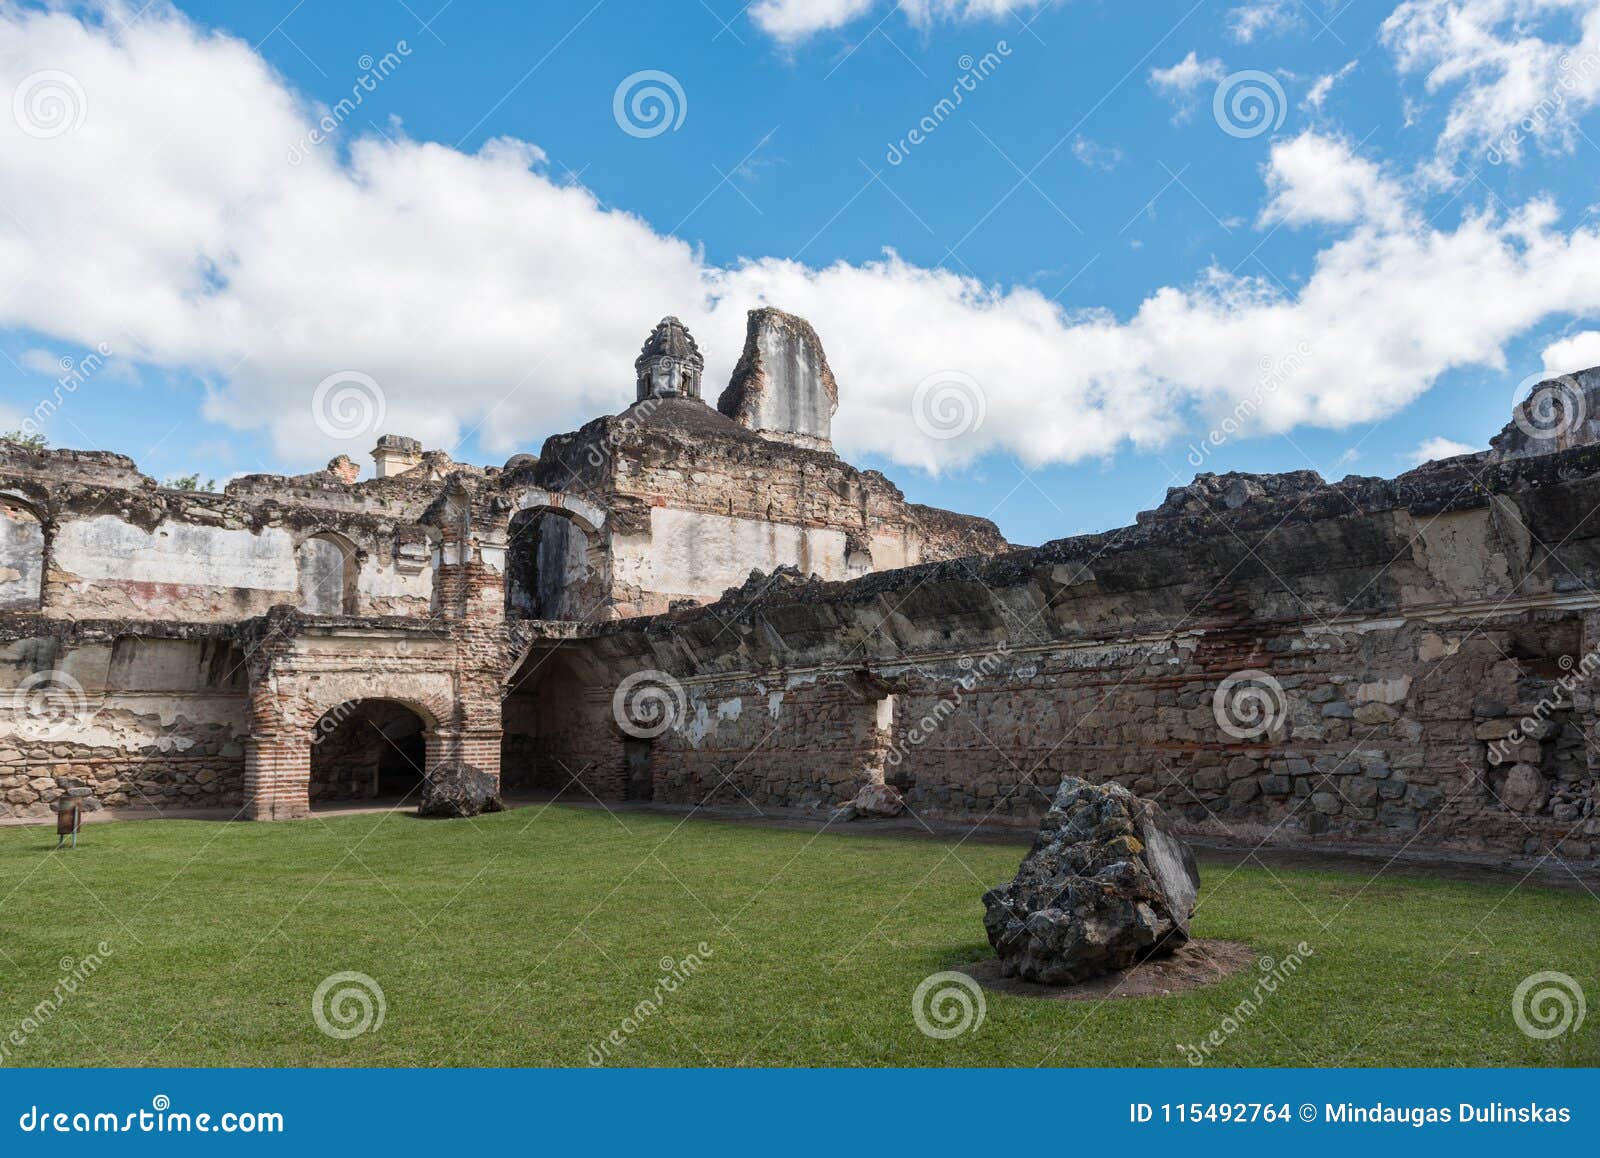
670, 364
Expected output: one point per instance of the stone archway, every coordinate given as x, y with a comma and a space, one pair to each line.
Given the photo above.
369, 749
554, 559
288, 709
22, 549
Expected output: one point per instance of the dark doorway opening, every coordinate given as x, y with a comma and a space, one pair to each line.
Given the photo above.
400, 764
368, 750
641, 783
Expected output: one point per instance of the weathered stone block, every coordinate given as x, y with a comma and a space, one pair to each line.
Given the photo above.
457, 789
1106, 885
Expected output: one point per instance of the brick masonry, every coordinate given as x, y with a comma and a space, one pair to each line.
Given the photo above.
1403, 662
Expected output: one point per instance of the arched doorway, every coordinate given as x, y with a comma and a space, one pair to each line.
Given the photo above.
328, 574
22, 552
368, 750
547, 566
555, 563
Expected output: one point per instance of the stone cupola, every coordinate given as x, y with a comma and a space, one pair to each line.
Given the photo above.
670, 364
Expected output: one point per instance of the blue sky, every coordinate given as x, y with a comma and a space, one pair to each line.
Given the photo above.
1102, 262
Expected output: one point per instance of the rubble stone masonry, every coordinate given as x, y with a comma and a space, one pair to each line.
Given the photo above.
1406, 662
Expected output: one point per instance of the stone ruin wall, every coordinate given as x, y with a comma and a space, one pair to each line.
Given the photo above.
118, 578
696, 502
168, 727
1412, 626
1409, 627
121, 547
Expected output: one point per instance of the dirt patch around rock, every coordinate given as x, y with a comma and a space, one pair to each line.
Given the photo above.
1195, 966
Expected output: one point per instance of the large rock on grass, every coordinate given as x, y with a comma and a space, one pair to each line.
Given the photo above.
873, 802
1107, 885
457, 789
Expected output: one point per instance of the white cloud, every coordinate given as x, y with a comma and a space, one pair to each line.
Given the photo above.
1094, 155
39, 361
1436, 448
1314, 179
1188, 74
482, 292
1264, 16
793, 20
1514, 76
1579, 352
1183, 80
1323, 85
797, 19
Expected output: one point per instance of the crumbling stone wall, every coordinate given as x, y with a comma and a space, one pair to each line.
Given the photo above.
696, 500
112, 719
21, 556
1406, 662
1275, 658
117, 545
782, 387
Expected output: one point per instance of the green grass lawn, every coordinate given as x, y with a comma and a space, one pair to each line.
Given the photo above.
527, 937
